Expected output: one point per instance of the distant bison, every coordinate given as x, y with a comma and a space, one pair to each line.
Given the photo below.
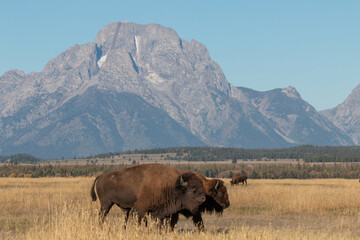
149, 188
238, 178
217, 199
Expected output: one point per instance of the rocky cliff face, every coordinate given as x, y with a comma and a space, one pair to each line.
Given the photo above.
142, 86
294, 119
346, 116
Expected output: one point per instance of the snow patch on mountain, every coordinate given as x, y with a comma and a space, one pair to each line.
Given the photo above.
101, 60
289, 140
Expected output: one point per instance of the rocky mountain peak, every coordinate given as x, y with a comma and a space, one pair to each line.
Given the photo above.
14, 72
353, 98
135, 38
291, 92
346, 115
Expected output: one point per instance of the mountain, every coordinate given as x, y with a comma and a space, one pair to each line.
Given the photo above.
294, 119
142, 86
346, 115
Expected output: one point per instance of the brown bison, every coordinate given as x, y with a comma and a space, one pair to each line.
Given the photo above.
238, 178
149, 188
217, 199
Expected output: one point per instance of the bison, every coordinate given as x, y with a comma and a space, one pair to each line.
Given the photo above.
217, 199
238, 178
149, 188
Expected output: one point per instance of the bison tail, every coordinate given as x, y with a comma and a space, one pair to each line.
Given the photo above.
92, 192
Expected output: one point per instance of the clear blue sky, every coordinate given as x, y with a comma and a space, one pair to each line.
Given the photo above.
312, 45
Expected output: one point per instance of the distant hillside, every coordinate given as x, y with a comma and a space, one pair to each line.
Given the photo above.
19, 158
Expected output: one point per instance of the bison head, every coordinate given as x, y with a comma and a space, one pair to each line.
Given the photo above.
192, 191
218, 192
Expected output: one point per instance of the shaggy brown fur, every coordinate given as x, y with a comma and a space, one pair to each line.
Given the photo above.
217, 199
238, 178
149, 188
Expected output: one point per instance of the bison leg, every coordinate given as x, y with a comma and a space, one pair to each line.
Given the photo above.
104, 210
140, 212
173, 220
198, 221
127, 212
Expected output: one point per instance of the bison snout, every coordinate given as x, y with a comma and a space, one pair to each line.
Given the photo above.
225, 205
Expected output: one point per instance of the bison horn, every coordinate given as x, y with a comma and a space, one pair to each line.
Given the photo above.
217, 185
182, 183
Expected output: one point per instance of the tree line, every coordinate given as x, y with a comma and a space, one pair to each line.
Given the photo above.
309, 153
254, 171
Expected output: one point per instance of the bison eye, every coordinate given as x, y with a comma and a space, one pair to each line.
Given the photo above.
194, 190
220, 194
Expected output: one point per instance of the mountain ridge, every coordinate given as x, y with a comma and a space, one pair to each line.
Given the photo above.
346, 115
175, 78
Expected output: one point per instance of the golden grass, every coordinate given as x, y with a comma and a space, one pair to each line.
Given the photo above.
61, 208
321, 197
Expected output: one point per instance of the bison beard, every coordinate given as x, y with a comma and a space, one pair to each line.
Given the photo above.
149, 188
210, 205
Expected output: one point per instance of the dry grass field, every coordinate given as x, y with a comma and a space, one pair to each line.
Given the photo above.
61, 208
